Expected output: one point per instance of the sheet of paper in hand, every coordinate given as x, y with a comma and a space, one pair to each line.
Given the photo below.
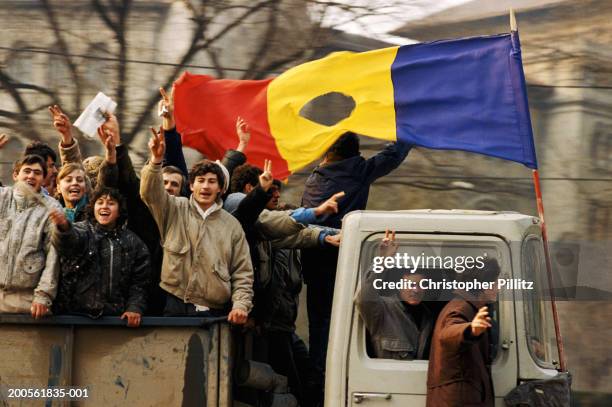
93, 115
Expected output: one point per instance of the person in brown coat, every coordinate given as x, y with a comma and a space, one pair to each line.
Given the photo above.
459, 373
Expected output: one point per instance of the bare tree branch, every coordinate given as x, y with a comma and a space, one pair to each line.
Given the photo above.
266, 39
26, 121
194, 48
214, 58
63, 48
119, 28
101, 9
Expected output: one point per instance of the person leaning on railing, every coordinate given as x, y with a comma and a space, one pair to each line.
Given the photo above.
104, 267
29, 266
206, 264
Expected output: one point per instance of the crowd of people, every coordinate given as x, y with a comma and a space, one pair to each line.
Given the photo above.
94, 238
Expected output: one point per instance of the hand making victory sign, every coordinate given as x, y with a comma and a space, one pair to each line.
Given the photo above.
388, 246
165, 109
62, 124
157, 145
266, 179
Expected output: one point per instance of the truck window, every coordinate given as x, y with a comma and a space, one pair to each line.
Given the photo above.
537, 307
401, 290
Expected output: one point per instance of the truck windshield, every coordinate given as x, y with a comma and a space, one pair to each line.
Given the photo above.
405, 285
539, 325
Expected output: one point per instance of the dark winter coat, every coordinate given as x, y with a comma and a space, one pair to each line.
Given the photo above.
459, 373
102, 272
267, 233
353, 176
284, 290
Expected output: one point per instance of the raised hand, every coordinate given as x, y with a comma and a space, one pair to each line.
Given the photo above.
330, 206
157, 145
111, 152
481, 322
110, 128
4, 138
244, 134
58, 218
62, 124
165, 109
388, 246
266, 179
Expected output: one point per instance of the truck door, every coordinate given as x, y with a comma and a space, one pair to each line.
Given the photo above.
379, 381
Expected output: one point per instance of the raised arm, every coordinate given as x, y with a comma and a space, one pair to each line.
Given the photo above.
161, 205
108, 175
174, 146
384, 162
235, 158
368, 299
128, 182
68, 146
254, 203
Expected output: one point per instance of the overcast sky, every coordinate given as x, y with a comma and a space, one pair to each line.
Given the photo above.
391, 14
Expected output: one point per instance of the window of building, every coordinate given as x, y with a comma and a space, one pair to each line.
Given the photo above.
601, 147
600, 215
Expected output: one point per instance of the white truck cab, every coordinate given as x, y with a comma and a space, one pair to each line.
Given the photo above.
526, 347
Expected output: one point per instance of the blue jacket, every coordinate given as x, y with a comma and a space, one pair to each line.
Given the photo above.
353, 176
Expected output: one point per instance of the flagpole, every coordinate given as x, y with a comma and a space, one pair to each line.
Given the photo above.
540, 204
512, 21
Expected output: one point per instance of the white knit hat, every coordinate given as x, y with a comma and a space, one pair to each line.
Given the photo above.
226, 175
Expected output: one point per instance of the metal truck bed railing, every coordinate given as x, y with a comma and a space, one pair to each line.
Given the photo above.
167, 361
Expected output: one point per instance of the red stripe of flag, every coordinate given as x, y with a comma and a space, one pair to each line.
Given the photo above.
206, 110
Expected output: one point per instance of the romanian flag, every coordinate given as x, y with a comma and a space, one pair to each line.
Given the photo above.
466, 94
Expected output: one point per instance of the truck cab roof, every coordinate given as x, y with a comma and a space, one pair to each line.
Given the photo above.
510, 225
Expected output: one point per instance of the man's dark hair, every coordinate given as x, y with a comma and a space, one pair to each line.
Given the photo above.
278, 184
244, 174
114, 194
488, 273
29, 160
204, 167
346, 146
41, 149
171, 169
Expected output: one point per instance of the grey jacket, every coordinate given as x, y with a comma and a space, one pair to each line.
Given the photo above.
394, 333
29, 261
